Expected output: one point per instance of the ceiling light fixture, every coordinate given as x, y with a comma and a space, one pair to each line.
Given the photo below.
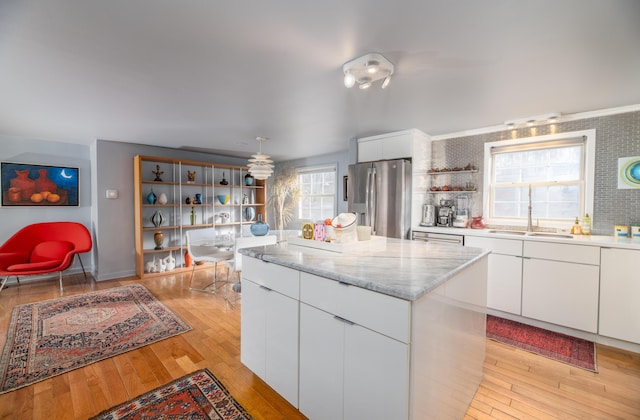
367, 69
551, 118
260, 166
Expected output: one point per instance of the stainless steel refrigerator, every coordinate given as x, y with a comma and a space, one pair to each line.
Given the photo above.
379, 193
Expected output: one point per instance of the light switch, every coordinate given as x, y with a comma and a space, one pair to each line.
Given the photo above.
112, 194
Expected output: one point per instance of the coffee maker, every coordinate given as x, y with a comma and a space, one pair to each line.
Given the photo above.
446, 212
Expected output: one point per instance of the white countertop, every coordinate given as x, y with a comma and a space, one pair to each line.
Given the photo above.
591, 240
401, 268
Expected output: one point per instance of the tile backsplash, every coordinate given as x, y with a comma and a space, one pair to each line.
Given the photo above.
616, 136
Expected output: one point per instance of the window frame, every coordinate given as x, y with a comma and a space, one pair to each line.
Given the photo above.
317, 169
589, 175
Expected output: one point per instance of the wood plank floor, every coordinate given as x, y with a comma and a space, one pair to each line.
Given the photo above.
517, 384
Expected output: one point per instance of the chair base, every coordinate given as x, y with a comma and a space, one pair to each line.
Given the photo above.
207, 289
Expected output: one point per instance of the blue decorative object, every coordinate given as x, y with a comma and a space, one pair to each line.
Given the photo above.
222, 198
259, 228
157, 218
197, 199
152, 198
248, 180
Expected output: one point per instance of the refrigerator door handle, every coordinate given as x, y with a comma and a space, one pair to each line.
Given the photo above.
373, 201
367, 193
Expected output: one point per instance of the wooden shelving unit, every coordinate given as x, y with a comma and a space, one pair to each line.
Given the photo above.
227, 219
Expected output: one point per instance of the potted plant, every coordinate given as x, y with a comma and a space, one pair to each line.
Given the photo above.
284, 196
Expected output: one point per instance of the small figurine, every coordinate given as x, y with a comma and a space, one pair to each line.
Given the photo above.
157, 173
191, 176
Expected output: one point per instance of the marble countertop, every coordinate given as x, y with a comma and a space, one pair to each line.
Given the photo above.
592, 240
400, 268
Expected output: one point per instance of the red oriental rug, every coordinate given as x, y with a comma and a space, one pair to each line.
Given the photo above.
55, 336
564, 348
199, 395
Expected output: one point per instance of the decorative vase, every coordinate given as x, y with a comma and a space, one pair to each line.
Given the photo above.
224, 181
259, 228
151, 197
188, 200
249, 214
157, 218
188, 261
158, 238
197, 199
170, 261
26, 185
248, 180
43, 183
162, 199
192, 216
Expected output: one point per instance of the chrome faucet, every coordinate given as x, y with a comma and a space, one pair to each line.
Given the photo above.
529, 222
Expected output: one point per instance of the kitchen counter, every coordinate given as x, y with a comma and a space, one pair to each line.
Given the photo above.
322, 327
401, 268
595, 240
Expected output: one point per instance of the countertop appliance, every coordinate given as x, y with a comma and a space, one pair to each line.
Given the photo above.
446, 213
379, 193
428, 215
461, 219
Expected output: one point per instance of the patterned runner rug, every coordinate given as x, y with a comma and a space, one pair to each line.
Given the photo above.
561, 347
55, 336
199, 395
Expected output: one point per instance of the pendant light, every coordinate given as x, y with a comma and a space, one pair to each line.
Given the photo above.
260, 165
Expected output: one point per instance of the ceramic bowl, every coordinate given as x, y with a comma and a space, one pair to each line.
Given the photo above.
223, 199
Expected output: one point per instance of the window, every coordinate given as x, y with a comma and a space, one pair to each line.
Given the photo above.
554, 173
317, 199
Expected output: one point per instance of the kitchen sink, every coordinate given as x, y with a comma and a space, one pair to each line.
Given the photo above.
525, 233
550, 235
507, 232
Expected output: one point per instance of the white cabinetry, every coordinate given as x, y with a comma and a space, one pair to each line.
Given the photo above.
560, 284
620, 294
504, 279
388, 146
269, 333
347, 345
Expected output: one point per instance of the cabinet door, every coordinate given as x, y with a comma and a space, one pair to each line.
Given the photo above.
253, 328
269, 338
372, 359
321, 364
369, 150
504, 277
561, 293
620, 294
504, 283
281, 348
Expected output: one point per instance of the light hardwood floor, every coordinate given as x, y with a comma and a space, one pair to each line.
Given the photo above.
517, 384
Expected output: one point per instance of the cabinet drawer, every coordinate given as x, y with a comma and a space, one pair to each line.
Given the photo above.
273, 276
496, 245
580, 254
379, 312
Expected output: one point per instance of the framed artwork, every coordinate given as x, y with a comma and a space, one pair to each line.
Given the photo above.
629, 172
25, 184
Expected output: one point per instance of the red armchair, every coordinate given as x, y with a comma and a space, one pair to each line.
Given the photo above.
43, 248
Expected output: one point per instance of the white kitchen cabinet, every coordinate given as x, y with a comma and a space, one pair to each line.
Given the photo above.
388, 146
343, 362
620, 294
269, 333
560, 284
504, 277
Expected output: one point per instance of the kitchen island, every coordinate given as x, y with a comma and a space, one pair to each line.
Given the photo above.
395, 331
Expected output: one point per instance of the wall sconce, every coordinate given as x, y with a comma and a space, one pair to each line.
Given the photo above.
531, 121
367, 69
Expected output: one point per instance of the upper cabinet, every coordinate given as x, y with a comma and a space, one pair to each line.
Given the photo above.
172, 196
389, 146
